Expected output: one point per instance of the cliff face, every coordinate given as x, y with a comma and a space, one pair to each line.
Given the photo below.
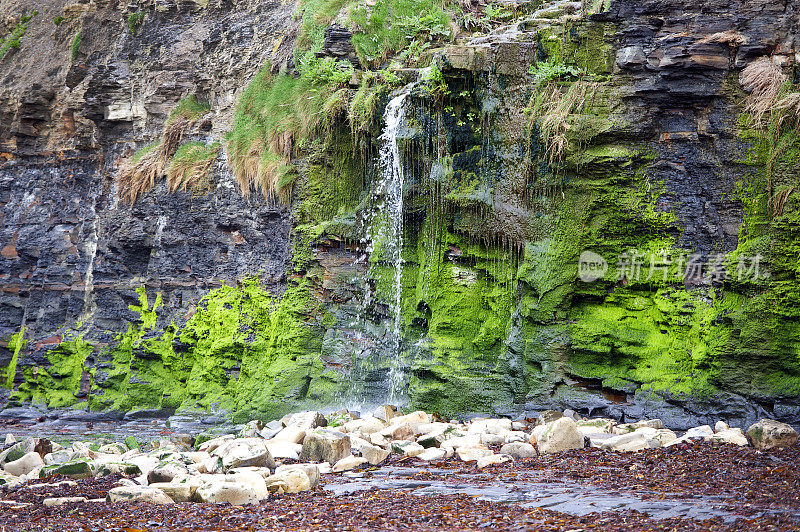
536, 134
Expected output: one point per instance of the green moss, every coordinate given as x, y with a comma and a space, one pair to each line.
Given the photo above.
189, 108
16, 344
57, 384
76, 45
12, 41
390, 25
134, 19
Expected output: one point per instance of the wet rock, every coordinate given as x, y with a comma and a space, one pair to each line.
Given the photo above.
548, 416
137, 494
325, 445
768, 433
73, 469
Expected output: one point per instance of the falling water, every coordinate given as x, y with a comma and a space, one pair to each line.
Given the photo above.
386, 232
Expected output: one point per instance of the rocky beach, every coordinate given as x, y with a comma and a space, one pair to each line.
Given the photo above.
391, 471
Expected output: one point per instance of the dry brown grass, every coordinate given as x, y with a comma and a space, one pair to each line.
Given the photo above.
190, 165
138, 174
550, 110
763, 79
730, 37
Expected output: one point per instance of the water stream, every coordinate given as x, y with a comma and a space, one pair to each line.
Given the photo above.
386, 229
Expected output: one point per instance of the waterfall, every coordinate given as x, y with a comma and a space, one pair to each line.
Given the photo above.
386, 227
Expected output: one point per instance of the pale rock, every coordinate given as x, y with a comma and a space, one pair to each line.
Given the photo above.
401, 431
197, 457
347, 463
244, 452
704, 431
231, 492
366, 425
324, 445
431, 454
492, 459
492, 439
471, 454
10, 439
255, 480
58, 501
733, 436
628, 442
518, 425
379, 440
166, 471
113, 448
305, 420
211, 445
291, 434
513, 436
630, 427
325, 468
719, 426
212, 465
373, 454
490, 426
284, 449
462, 441
292, 481
560, 435
414, 418
58, 457
433, 438
10, 481
548, 416
357, 442
29, 462
178, 492
385, 412
407, 448
595, 426
518, 450
312, 471
768, 433
137, 494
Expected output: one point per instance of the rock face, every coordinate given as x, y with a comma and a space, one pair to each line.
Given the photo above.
207, 297
768, 433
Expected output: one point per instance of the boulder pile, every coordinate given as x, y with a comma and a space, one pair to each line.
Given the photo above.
290, 455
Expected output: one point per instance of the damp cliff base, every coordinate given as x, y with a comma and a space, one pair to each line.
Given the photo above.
530, 136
